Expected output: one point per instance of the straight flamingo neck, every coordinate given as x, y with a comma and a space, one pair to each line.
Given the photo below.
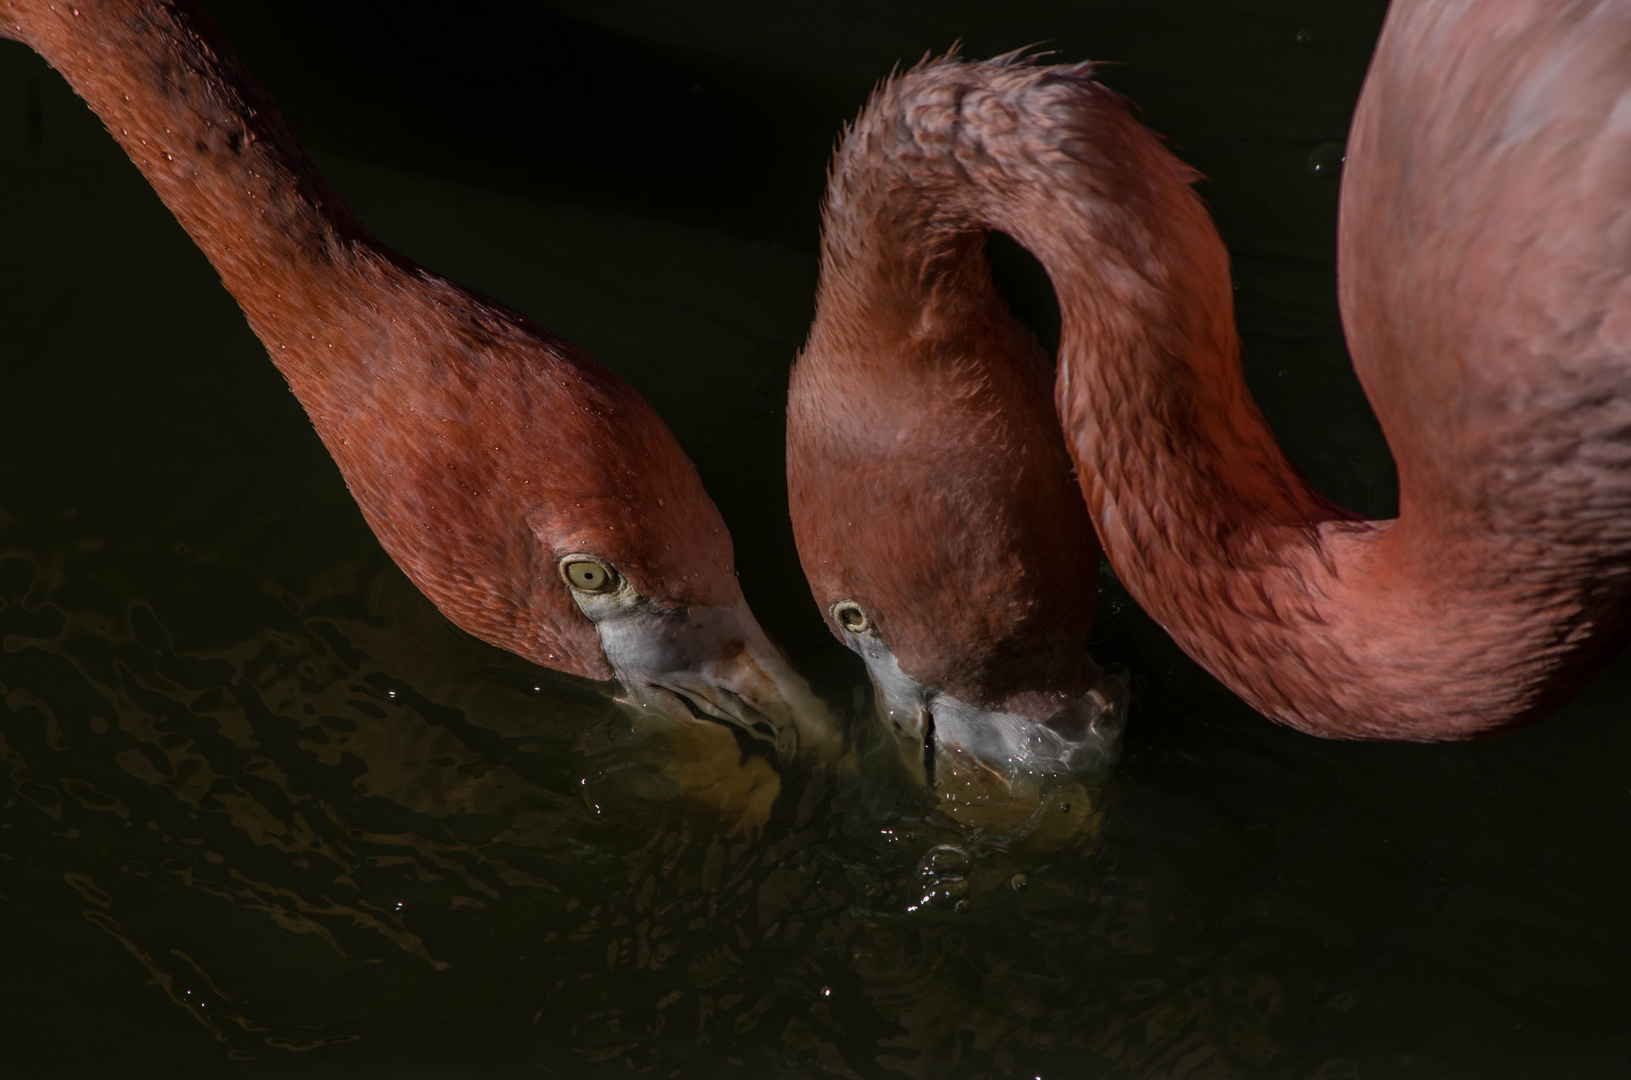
206, 137
221, 158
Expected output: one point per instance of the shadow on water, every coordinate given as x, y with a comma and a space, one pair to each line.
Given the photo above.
264, 813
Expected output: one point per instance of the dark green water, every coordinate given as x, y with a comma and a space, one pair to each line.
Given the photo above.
268, 815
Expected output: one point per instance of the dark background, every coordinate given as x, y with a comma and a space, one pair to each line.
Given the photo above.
185, 580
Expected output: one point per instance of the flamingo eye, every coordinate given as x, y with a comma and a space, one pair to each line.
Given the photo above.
587, 575
850, 615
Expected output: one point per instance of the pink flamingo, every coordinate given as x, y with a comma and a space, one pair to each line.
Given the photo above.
533, 496
1485, 268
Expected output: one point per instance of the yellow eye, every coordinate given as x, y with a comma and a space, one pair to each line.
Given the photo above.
586, 575
851, 617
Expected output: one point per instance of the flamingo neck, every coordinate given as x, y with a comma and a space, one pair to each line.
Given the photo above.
219, 155
1411, 629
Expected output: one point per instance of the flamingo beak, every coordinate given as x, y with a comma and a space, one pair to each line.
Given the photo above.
715, 664
938, 732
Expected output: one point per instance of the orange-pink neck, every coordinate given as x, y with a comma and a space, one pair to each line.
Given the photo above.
209, 141
1423, 628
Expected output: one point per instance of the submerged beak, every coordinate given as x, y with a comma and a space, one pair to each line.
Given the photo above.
939, 735
716, 664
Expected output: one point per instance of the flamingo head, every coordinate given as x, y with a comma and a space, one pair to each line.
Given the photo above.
681, 640
559, 519
942, 530
934, 505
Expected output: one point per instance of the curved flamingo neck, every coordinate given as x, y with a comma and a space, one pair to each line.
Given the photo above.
897, 276
1421, 628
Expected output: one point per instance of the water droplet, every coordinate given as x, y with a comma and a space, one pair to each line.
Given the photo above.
1018, 881
943, 873
946, 858
1326, 159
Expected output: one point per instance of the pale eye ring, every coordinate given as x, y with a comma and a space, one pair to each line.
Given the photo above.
851, 616
587, 574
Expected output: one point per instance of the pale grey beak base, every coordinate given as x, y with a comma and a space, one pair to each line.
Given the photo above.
1082, 739
710, 663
